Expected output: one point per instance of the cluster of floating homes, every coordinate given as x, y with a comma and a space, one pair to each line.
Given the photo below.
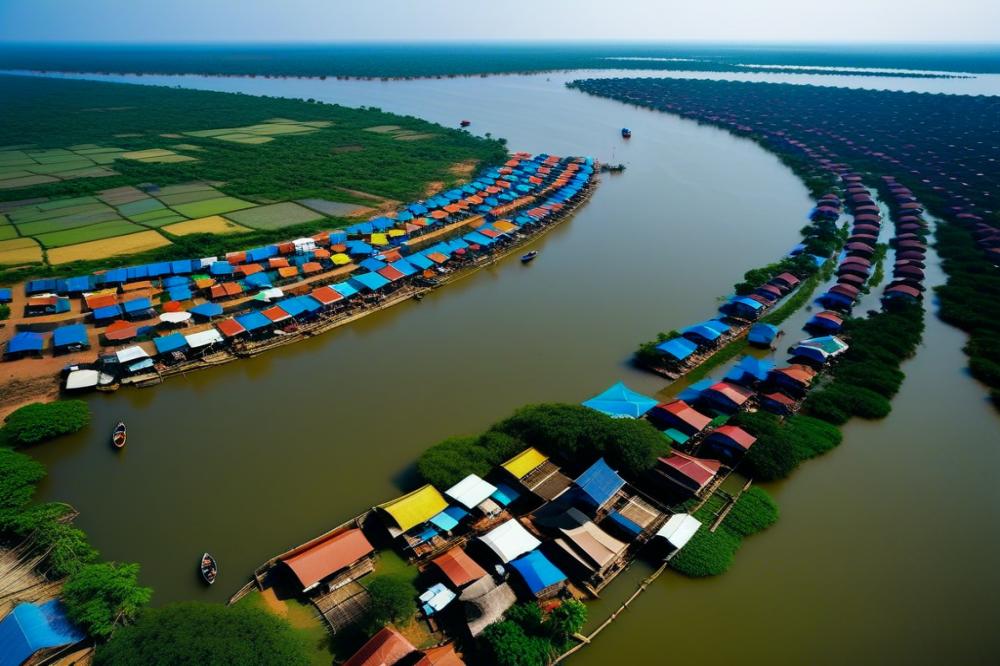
251, 296
907, 283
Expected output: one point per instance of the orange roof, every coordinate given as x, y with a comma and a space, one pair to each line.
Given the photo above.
686, 413
277, 262
458, 567
437, 257
443, 655
391, 255
250, 269
738, 435
230, 328
338, 247
385, 648
329, 556
288, 271
120, 330
204, 283
137, 286
438, 214
225, 289
236, 257
452, 208
275, 313
101, 301
171, 306
312, 267
326, 295
321, 253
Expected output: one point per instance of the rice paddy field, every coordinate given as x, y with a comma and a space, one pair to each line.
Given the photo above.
91, 172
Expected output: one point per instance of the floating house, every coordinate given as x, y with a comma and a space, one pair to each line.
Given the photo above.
25, 343
484, 602
386, 648
749, 371
408, 519
794, 379
691, 473
590, 551
826, 321
678, 531
457, 568
743, 307
597, 486
71, 338
819, 350
680, 416
509, 540
705, 333
729, 443
762, 335
677, 350
542, 579
725, 397
46, 305
777, 403
537, 474
620, 402
33, 633
474, 493
333, 561
694, 391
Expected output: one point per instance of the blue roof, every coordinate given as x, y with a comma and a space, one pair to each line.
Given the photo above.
74, 334
702, 331
39, 286
253, 321
169, 343
182, 266
78, 284
137, 305
628, 525
445, 521
221, 268
748, 365
207, 310
504, 494
115, 276
372, 264
369, 281
404, 216
298, 305
176, 281
476, 237
337, 237
359, 248
404, 267
382, 223
763, 333
182, 293
694, 391
6, 295
716, 325
418, 209
599, 483
25, 341
137, 272
162, 268
257, 280
30, 628
537, 571
344, 289
620, 401
108, 312
748, 302
678, 348
420, 261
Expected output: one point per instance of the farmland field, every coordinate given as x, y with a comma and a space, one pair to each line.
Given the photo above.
211, 206
101, 249
275, 216
90, 232
19, 251
213, 224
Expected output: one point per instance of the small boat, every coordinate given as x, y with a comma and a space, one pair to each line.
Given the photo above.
465, 123
626, 133
209, 568
418, 296
119, 436
525, 258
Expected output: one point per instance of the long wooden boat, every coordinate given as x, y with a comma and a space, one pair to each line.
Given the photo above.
119, 436
525, 258
209, 568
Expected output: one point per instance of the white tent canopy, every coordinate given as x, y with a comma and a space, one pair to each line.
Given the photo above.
679, 529
203, 338
471, 491
81, 379
175, 317
510, 540
131, 354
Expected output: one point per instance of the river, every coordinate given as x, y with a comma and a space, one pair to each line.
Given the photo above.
885, 547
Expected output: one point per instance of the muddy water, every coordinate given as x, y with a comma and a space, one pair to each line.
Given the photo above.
884, 548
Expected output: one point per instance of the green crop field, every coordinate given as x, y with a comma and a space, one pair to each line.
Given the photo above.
88, 233
274, 216
211, 206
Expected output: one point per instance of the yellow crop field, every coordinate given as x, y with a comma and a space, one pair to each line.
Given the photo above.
19, 251
213, 224
108, 247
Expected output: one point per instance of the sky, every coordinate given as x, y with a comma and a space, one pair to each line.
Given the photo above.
212, 21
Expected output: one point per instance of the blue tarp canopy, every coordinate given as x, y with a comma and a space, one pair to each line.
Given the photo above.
268, 251
300, 305
168, 343
6, 295
382, 223
763, 334
372, 264
599, 483
115, 276
448, 519
620, 401
182, 267
344, 289
221, 268
404, 267
405, 216
176, 281
30, 628
182, 293
78, 284
420, 261
419, 209
476, 237
678, 348
39, 286
25, 341
757, 368
359, 248
337, 237
702, 332
207, 310
368, 281
156, 270
137, 272
626, 524
504, 494
257, 280
253, 321
107, 312
693, 392
65, 336
537, 571
137, 305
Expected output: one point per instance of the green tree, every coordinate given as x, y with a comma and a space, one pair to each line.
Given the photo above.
19, 474
506, 643
99, 597
392, 600
195, 633
448, 462
39, 421
565, 620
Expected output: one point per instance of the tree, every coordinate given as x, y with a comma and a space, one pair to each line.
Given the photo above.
506, 643
392, 600
448, 462
19, 474
198, 633
100, 596
565, 620
39, 421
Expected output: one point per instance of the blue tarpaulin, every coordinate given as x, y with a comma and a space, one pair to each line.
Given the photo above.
404, 267
382, 223
107, 312
137, 305
678, 348
221, 268
444, 521
620, 401
599, 483
750, 369
6, 296
137, 272
338, 237
762, 334
39, 286
182, 293
537, 571
156, 270
67, 336
359, 248
115, 276
701, 333
344, 289
368, 281
257, 281
168, 343
420, 261
176, 281
372, 264
630, 527
30, 628
25, 341
504, 495
207, 310
476, 237
253, 321
182, 267
78, 285
694, 391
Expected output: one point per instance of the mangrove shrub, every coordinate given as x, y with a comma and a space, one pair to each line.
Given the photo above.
40, 421
782, 445
101, 596
527, 637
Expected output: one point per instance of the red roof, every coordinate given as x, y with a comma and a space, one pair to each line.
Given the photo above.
385, 648
736, 394
443, 655
329, 556
326, 295
789, 278
800, 373
390, 273
699, 470
458, 567
781, 398
738, 435
275, 313
686, 413
230, 328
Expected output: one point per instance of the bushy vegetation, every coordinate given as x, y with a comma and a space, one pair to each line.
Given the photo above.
40, 421
101, 597
528, 637
572, 435
204, 633
867, 375
647, 353
392, 600
711, 553
801, 265
783, 444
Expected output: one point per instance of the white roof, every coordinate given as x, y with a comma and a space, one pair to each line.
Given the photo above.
131, 354
208, 261
510, 540
471, 491
679, 529
175, 317
271, 294
203, 338
81, 379
304, 242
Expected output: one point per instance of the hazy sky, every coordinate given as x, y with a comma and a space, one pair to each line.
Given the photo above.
416, 20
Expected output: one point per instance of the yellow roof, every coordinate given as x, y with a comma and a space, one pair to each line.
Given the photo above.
379, 239
340, 259
416, 507
505, 226
524, 462
393, 233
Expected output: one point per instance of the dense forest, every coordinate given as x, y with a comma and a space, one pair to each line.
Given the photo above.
423, 60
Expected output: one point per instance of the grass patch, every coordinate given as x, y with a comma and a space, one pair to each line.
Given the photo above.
211, 207
274, 216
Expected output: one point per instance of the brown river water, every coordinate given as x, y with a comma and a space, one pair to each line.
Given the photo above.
886, 548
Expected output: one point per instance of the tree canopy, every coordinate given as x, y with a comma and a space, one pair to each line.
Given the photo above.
40, 421
100, 597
